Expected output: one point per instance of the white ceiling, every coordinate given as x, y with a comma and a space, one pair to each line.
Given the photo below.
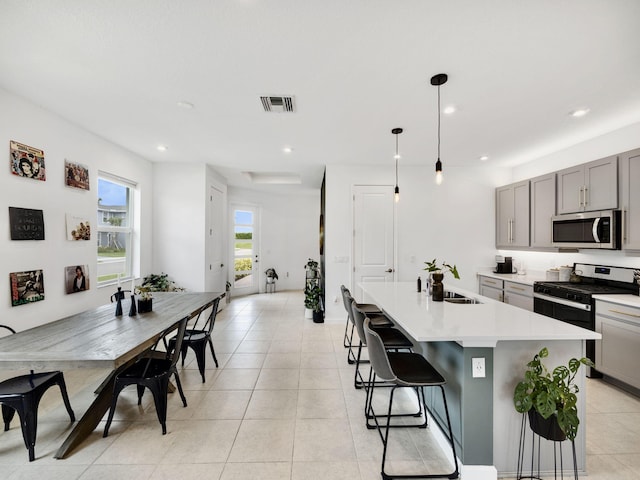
357, 69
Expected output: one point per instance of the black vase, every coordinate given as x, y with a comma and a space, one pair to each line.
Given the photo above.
318, 317
145, 306
437, 289
546, 427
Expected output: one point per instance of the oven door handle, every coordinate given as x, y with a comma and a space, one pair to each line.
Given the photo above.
562, 301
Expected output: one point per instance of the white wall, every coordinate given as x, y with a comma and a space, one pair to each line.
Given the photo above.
26, 123
289, 233
453, 222
180, 223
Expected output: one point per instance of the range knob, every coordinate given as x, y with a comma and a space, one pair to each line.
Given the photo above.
571, 296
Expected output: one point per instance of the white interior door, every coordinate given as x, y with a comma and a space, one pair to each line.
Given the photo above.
373, 236
246, 256
215, 277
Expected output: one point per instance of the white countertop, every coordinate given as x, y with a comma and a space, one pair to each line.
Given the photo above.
526, 279
627, 300
471, 325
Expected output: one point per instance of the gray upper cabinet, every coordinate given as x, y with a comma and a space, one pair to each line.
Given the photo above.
630, 199
512, 215
588, 187
543, 207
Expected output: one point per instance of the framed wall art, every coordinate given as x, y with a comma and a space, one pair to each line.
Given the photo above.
26, 287
76, 175
26, 224
27, 161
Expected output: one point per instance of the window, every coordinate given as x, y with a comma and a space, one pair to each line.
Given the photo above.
243, 248
115, 228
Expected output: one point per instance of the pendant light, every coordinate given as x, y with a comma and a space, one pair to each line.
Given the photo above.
437, 80
396, 192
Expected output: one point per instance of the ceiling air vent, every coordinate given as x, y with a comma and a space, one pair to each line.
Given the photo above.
278, 103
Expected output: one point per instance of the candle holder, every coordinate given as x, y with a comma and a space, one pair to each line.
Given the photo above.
132, 310
119, 296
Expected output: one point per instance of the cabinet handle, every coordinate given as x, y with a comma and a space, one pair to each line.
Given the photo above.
584, 194
489, 281
580, 197
623, 227
517, 288
625, 313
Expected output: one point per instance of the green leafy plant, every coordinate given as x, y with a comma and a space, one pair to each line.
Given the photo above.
433, 267
551, 393
312, 295
311, 265
144, 292
159, 283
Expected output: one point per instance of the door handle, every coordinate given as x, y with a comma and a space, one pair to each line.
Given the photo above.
389, 270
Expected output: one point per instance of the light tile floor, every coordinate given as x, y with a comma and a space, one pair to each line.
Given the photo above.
280, 406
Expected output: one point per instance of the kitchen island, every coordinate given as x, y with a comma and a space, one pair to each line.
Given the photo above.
503, 338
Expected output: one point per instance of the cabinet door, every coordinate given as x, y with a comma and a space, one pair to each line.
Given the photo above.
618, 352
570, 189
512, 215
520, 224
543, 207
494, 293
630, 199
504, 215
601, 180
521, 301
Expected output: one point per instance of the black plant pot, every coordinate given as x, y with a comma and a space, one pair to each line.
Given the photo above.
546, 427
437, 289
145, 306
318, 317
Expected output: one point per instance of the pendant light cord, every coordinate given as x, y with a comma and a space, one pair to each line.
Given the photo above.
438, 122
396, 159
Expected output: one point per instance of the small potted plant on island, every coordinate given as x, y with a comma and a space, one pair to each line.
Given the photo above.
549, 398
437, 275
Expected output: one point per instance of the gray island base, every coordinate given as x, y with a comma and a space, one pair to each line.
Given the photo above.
451, 335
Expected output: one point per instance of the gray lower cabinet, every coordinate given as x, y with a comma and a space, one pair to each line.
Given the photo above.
630, 199
618, 352
519, 295
491, 287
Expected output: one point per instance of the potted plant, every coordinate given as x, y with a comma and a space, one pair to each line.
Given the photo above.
313, 302
160, 283
549, 398
436, 273
312, 268
145, 302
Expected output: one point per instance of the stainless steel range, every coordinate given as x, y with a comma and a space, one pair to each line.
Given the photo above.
573, 302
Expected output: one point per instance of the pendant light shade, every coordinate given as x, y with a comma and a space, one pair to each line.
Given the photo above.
396, 191
436, 81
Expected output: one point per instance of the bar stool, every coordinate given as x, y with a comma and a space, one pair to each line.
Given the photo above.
373, 312
404, 369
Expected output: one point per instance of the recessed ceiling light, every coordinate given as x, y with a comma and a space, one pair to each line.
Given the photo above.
185, 104
581, 112
162, 148
484, 158
287, 149
449, 109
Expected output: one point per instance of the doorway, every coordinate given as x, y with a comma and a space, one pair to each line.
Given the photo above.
373, 236
246, 257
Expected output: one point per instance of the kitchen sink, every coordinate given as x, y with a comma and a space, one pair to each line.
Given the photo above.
453, 297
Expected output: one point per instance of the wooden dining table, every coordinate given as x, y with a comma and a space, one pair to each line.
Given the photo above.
97, 338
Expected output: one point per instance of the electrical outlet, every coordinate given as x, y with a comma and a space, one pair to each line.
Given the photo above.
477, 368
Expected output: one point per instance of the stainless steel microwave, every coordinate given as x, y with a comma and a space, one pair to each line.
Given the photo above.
587, 230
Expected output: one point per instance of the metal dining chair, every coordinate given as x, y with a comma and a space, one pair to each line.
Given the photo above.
404, 369
198, 338
22, 395
152, 371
